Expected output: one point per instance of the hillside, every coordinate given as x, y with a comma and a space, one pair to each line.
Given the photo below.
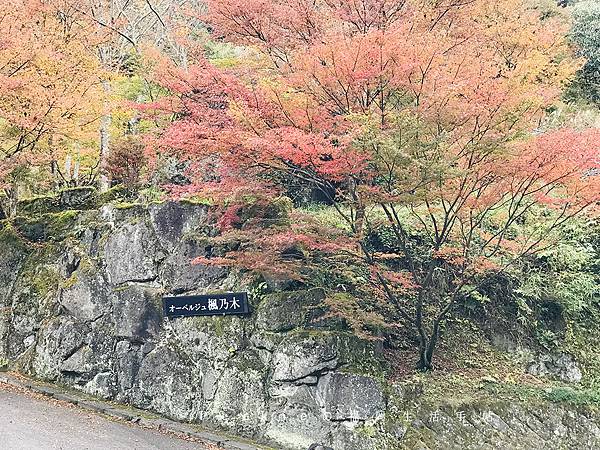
81, 307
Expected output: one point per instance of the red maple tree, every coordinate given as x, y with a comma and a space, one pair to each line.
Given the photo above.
407, 116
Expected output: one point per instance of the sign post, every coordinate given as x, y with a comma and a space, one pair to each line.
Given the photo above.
207, 305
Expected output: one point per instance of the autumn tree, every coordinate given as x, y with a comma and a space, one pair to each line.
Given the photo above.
126, 26
408, 116
48, 89
126, 162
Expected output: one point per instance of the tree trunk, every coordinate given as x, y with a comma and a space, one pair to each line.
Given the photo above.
427, 348
426, 352
104, 180
10, 204
425, 364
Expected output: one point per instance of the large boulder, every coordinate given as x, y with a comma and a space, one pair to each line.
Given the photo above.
78, 198
304, 355
166, 383
137, 315
130, 254
284, 311
561, 366
173, 220
85, 297
346, 396
296, 419
80, 363
13, 252
182, 275
61, 338
239, 397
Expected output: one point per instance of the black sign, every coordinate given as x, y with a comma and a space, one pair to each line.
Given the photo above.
206, 305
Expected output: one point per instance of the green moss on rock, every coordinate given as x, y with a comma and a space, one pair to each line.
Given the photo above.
275, 213
116, 193
39, 205
83, 197
47, 227
11, 239
195, 201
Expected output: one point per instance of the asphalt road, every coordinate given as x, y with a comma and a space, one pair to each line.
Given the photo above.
31, 423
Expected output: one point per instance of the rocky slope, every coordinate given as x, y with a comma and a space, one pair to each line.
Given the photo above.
80, 304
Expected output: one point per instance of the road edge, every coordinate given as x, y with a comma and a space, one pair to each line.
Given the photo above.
125, 413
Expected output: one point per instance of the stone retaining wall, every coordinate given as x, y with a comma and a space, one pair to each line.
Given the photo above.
80, 305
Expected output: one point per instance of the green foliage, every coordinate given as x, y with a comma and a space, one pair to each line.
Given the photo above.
11, 240
257, 291
136, 87
586, 34
365, 321
582, 397
548, 338
151, 194
222, 54
563, 273
556, 294
327, 215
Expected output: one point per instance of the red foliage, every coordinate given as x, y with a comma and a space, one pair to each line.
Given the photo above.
423, 108
126, 162
396, 104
